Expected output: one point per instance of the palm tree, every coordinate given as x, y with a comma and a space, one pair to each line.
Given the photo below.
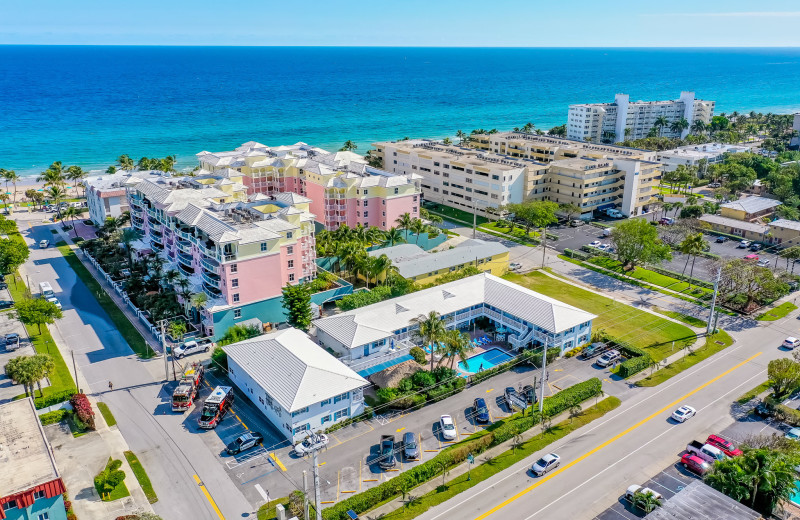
791, 253
128, 237
57, 194
677, 206
646, 501
528, 128
12, 177
679, 125
4, 199
457, 345
125, 162
462, 137
348, 146
431, 330
692, 246
70, 213
447, 141
76, 175
699, 127
418, 227
392, 237
51, 177
21, 371
404, 221
382, 265
660, 122
43, 366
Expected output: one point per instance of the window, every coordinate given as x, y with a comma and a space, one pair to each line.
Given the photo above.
298, 412
234, 282
235, 297
290, 250
39, 494
288, 234
326, 401
11, 504
325, 419
495, 177
301, 429
44, 516
341, 397
291, 277
396, 191
237, 313
341, 413
263, 246
234, 268
291, 264
366, 213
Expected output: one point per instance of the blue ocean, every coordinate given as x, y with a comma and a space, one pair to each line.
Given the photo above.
88, 105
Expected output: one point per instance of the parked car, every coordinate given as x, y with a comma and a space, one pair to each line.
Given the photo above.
755, 247
683, 413
12, 341
714, 185
695, 464
448, 428
190, 347
793, 434
744, 244
706, 452
43, 244
720, 240
410, 446
764, 262
480, 410
727, 447
577, 222
6, 304
595, 243
89, 222
791, 342
55, 302
244, 442
608, 358
762, 410
605, 247
547, 463
508, 394
529, 393
3, 285
605, 233
752, 257
514, 266
313, 442
387, 460
632, 490
594, 349
666, 221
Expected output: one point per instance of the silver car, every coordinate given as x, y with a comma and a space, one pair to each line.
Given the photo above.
547, 463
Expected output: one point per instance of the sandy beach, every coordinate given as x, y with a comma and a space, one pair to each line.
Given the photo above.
27, 183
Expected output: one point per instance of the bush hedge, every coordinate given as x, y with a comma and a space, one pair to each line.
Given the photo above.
476, 444
51, 399
83, 409
634, 365
422, 387
418, 354
574, 253
53, 417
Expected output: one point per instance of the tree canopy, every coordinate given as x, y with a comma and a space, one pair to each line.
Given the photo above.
37, 311
13, 253
636, 241
297, 302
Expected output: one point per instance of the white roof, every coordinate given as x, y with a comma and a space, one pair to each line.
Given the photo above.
411, 260
25, 454
752, 204
292, 369
734, 223
380, 320
785, 224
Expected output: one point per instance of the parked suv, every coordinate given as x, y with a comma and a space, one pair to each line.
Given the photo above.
410, 446
12, 341
593, 350
191, 347
608, 358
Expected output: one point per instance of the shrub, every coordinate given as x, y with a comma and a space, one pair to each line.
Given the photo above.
219, 358
386, 394
363, 298
423, 379
443, 374
51, 399
418, 354
580, 255
53, 417
405, 385
634, 365
629, 351
83, 410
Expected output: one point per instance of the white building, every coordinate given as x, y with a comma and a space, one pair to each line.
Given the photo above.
609, 121
527, 316
107, 194
796, 127
296, 384
691, 155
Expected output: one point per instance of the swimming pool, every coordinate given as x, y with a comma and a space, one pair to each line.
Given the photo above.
796, 496
488, 359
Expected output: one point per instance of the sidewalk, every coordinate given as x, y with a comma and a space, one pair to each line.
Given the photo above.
462, 468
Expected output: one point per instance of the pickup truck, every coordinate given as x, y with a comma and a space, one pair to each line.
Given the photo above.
387, 459
706, 452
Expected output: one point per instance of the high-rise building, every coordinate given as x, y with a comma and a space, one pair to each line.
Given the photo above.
511, 167
624, 119
341, 186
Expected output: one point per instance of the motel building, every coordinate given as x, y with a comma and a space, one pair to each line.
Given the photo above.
379, 335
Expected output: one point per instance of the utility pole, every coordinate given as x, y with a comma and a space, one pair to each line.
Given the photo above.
544, 368
305, 494
75, 369
316, 487
711, 327
164, 349
474, 217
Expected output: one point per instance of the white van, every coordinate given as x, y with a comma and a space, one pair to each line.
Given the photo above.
45, 290
605, 233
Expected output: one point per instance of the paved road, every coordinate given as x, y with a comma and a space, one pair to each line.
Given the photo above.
631, 444
172, 452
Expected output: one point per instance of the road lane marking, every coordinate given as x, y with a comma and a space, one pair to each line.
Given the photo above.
400, 429
208, 497
489, 390
612, 439
321, 463
277, 461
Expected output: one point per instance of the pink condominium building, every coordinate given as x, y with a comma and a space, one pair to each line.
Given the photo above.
341, 187
239, 249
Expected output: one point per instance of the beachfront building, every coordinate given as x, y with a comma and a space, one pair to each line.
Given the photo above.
795, 141
297, 385
107, 194
423, 267
239, 249
624, 119
749, 208
521, 316
30, 484
341, 187
511, 167
693, 155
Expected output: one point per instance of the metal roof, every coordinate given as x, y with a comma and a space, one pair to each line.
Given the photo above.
698, 501
380, 320
735, 223
292, 369
752, 204
23, 448
411, 260
785, 224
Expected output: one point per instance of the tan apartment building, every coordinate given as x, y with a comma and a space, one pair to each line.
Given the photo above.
506, 168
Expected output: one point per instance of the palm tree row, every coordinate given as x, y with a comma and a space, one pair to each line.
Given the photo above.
167, 164
432, 331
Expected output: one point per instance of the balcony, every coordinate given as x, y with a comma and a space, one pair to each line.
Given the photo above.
137, 223
211, 291
211, 253
211, 265
158, 246
136, 205
185, 246
188, 271
185, 260
211, 279
183, 234
153, 214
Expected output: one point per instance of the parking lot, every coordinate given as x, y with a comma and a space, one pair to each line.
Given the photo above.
9, 324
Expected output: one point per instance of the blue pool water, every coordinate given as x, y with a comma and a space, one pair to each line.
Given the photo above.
796, 496
489, 359
383, 366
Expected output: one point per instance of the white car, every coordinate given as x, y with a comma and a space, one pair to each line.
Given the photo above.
55, 301
448, 428
190, 347
596, 243
311, 443
545, 464
608, 357
514, 266
683, 413
763, 263
43, 244
793, 434
791, 342
632, 490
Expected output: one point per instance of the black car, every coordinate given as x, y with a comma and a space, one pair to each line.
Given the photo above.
530, 393
244, 442
720, 240
387, 460
480, 410
755, 247
3, 285
410, 446
5, 304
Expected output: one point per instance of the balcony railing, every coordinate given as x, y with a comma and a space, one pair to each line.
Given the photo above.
183, 234
185, 259
211, 279
212, 292
152, 213
157, 245
210, 265
185, 246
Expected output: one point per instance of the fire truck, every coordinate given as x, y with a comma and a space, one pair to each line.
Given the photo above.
188, 387
216, 406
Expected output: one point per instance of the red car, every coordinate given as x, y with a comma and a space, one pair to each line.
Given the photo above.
727, 447
695, 464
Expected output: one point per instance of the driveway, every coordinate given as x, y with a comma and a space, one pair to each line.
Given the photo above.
9, 324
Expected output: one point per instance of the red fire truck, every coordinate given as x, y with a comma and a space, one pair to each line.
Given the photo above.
189, 385
215, 407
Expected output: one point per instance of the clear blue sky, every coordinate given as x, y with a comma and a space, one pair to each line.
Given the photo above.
519, 23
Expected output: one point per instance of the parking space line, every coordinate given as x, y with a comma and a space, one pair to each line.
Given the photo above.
277, 461
327, 501
371, 480
360, 465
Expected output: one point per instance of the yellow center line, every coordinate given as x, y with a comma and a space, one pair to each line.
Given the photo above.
613, 439
208, 497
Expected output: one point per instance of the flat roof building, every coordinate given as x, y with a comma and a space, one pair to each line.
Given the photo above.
30, 484
713, 153
699, 501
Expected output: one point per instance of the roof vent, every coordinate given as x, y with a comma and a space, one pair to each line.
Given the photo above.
448, 295
399, 308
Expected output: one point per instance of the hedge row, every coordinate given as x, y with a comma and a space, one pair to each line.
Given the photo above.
493, 435
574, 253
51, 399
634, 365
53, 417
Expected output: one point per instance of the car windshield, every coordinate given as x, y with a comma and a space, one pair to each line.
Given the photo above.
448, 426
541, 462
411, 445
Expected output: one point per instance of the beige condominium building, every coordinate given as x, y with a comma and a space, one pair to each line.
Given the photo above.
625, 119
511, 167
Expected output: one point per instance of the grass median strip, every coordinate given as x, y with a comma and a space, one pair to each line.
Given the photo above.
415, 506
781, 311
719, 341
106, 413
141, 476
121, 321
685, 318
748, 396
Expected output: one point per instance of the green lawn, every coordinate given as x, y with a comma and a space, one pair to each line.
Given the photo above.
453, 213
106, 413
626, 323
778, 312
485, 468
709, 349
141, 476
267, 511
125, 327
747, 396
121, 491
645, 275
689, 320
60, 379
518, 232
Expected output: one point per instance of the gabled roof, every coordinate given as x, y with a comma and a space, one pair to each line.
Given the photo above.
292, 369
411, 260
380, 320
752, 204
